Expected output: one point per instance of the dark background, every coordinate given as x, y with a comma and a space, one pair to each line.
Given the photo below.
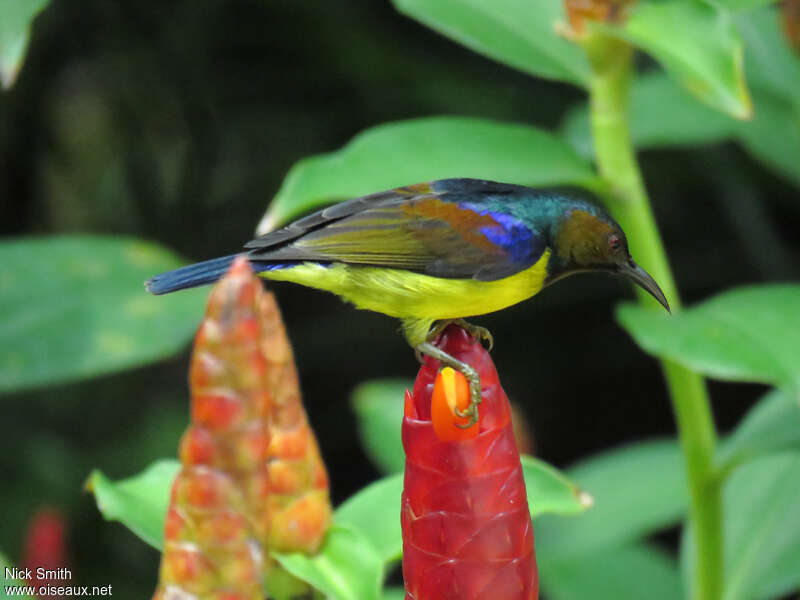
176, 122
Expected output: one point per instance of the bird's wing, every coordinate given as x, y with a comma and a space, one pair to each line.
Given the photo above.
416, 228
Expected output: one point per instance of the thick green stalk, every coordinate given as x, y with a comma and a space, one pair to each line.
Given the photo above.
611, 62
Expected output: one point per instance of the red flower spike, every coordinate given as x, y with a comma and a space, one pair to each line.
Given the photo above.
45, 547
467, 532
451, 392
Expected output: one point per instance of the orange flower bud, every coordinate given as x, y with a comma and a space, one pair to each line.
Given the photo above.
600, 11
451, 392
790, 15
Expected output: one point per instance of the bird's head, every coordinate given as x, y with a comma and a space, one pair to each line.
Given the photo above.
587, 239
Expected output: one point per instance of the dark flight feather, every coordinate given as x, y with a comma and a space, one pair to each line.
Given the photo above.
418, 228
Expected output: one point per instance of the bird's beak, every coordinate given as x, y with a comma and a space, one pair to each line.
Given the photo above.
636, 273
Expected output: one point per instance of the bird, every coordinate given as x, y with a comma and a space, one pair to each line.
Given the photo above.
433, 253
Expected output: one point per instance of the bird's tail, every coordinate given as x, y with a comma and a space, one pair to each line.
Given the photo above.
190, 276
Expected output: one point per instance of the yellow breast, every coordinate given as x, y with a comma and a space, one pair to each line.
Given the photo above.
412, 295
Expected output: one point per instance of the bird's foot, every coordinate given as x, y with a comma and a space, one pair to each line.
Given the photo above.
467, 371
476, 332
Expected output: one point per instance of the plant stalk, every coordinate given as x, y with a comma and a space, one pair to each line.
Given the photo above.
611, 61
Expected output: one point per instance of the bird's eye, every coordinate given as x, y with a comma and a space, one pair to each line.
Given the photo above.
614, 243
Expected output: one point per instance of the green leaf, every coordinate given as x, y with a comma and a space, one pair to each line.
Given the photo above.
762, 528
140, 502
408, 152
747, 334
77, 308
375, 513
5, 563
772, 64
744, 5
378, 406
773, 134
510, 31
772, 425
773, 71
637, 489
550, 492
698, 45
629, 572
681, 119
346, 568
15, 30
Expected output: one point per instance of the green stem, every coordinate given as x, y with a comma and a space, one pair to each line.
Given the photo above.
611, 62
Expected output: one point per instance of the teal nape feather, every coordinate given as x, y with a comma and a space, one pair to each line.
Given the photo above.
438, 251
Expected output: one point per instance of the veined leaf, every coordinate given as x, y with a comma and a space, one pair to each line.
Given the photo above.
762, 528
139, 502
682, 120
698, 45
550, 491
514, 32
771, 136
772, 64
407, 152
744, 5
637, 489
772, 425
746, 334
629, 572
373, 511
346, 568
15, 31
75, 307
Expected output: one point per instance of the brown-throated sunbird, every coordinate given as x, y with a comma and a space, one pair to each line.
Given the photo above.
438, 251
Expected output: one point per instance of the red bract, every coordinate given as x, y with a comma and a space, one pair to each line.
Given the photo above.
45, 548
467, 531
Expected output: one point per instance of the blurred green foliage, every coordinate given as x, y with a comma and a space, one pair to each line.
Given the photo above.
749, 334
424, 150
78, 309
14, 36
364, 541
177, 122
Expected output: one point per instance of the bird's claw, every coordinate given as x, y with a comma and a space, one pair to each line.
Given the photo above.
476, 332
471, 411
469, 372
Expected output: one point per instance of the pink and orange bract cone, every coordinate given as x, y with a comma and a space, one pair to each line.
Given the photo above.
467, 531
223, 511
298, 509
